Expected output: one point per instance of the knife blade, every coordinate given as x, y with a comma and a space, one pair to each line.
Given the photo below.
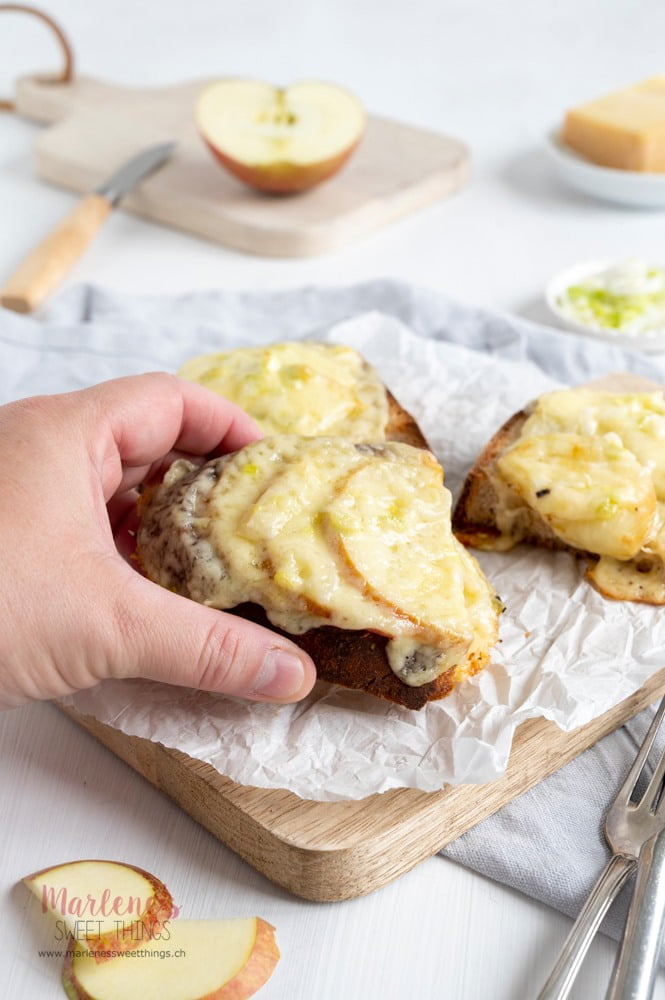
48, 264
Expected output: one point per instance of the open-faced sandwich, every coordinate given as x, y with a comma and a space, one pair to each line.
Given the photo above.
342, 542
581, 470
306, 387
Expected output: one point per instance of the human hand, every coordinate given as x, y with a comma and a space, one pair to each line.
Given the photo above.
73, 611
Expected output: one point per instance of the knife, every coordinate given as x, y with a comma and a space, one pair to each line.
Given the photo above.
46, 266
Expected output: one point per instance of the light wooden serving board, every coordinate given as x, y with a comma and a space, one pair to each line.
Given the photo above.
328, 851
95, 127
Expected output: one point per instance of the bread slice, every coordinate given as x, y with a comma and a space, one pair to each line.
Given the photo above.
357, 658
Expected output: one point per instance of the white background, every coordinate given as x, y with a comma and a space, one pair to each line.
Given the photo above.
496, 75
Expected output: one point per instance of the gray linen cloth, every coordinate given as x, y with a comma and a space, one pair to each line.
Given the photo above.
548, 843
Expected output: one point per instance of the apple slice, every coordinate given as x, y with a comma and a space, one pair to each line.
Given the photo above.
391, 526
285, 523
592, 491
277, 139
192, 960
106, 905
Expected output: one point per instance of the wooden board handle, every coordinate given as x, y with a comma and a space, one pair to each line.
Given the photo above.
46, 266
67, 73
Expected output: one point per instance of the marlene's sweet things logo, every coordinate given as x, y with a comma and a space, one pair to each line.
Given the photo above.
92, 916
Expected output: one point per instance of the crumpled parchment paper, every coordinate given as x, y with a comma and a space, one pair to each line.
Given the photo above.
565, 652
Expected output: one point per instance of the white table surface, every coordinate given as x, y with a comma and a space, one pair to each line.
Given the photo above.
496, 75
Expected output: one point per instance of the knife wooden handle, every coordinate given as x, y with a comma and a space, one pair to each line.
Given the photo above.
46, 266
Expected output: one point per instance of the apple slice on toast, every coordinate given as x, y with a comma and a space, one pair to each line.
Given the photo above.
299, 387
580, 470
392, 530
339, 539
285, 522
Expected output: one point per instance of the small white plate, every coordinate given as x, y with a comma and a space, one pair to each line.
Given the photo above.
652, 342
624, 187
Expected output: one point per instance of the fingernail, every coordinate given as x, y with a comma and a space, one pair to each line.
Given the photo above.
282, 675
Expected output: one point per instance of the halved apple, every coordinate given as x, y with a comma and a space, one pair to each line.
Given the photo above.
193, 959
106, 905
280, 140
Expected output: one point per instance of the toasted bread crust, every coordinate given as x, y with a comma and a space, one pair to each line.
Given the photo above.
358, 660
401, 426
474, 515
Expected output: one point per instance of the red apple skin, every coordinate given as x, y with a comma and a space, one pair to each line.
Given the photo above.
256, 971
160, 909
254, 974
285, 177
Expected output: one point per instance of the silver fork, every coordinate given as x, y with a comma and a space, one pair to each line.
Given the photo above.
629, 827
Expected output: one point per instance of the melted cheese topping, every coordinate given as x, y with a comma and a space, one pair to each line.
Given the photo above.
637, 419
591, 465
301, 387
321, 531
592, 492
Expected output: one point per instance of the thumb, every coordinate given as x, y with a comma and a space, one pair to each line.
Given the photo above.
169, 638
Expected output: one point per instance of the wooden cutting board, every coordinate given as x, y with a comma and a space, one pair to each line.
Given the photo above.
95, 127
328, 851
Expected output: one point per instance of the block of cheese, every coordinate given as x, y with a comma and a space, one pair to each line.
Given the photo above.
625, 130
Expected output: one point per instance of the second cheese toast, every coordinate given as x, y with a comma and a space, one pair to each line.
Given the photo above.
580, 470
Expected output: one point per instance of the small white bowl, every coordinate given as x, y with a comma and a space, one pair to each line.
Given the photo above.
623, 187
649, 342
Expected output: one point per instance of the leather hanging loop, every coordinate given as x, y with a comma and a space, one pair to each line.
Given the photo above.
67, 72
